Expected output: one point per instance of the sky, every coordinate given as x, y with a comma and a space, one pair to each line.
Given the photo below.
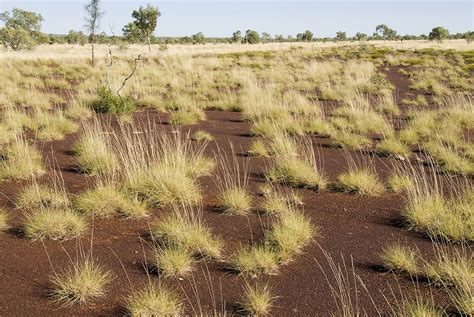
220, 18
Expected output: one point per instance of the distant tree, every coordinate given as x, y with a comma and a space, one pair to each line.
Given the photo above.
438, 33
131, 33
266, 37
279, 38
74, 37
384, 32
251, 37
186, 40
361, 36
469, 36
22, 30
198, 38
93, 16
341, 36
307, 36
143, 25
236, 37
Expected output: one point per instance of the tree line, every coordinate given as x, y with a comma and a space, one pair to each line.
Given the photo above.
22, 31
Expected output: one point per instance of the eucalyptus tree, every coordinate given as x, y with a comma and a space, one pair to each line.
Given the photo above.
93, 16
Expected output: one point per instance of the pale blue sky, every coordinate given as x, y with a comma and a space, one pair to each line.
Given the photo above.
222, 17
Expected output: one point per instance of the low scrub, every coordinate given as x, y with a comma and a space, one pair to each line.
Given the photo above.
108, 102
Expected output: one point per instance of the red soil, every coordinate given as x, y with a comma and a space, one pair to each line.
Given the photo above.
351, 226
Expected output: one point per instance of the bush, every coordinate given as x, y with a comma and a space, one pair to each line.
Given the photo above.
108, 102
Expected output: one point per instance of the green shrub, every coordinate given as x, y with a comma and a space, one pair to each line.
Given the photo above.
108, 102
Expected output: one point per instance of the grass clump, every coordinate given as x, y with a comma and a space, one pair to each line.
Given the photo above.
186, 117
297, 173
154, 300
202, 135
3, 220
290, 234
95, 156
393, 147
187, 233
37, 196
399, 258
53, 126
452, 269
20, 160
360, 181
234, 201
276, 203
108, 102
258, 300
173, 261
254, 260
441, 218
449, 159
56, 224
400, 183
349, 140
84, 282
419, 308
109, 201
163, 185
